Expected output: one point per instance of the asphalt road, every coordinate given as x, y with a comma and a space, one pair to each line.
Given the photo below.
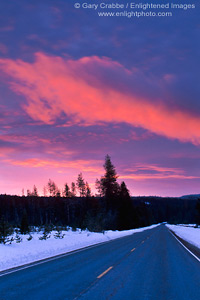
151, 265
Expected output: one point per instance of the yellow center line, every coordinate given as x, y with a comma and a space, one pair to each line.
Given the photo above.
132, 249
104, 273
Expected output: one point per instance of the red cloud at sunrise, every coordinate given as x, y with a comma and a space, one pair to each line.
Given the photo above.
53, 86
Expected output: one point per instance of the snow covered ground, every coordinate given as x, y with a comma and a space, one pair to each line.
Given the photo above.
187, 233
17, 254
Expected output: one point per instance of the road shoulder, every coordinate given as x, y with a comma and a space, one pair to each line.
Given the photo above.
195, 250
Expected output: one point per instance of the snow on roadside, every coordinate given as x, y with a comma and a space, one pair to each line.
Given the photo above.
187, 233
18, 254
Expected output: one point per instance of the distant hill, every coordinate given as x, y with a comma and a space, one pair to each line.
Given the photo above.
193, 196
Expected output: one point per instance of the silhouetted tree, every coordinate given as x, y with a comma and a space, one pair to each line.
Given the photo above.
58, 234
88, 190
198, 211
125, 216
66, 192
52, 188
80, 183
99, 187
46, 233
73, 189
35, 191
18, 239
58, 193
5, 231
109, 183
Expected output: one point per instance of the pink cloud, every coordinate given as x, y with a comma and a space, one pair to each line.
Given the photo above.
157, 176
53, 86
146, 172
89, 166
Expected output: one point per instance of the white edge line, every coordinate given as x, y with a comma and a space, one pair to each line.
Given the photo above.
47, 259
185, 246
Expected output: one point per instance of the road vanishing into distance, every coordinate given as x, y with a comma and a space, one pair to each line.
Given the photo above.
151, 265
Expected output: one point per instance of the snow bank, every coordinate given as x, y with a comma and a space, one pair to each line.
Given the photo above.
187, 233
18, 254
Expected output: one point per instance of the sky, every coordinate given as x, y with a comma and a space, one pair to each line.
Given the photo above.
75, 87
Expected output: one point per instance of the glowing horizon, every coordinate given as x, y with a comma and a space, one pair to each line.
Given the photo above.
69, 97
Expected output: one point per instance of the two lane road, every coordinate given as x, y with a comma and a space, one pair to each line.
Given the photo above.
151, 265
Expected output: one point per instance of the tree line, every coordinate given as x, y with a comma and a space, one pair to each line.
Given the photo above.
106, 186
52, 190
112, 209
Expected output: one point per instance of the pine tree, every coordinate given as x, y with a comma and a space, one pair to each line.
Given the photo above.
88, 190
5, 231
52, 188
109, 185
125, 215
46, 233
58, 193
35, 191
18, 239
81, 185
58, 234
73, 189
99, 187
66, 192
124, 192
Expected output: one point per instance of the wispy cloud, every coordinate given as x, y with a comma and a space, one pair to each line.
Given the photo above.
53, 86
146, 172
89, 166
